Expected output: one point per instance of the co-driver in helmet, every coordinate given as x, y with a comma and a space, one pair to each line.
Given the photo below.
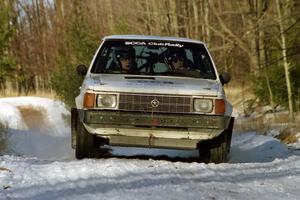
178, 63
176, 58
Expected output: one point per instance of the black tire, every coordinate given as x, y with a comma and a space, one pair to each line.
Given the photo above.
84, 142
216, 150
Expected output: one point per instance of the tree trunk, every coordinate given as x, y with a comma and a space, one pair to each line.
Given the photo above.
148, 21
110, 15
206, 22
263, 62
173, 16
196, 19
261, 49
285, 61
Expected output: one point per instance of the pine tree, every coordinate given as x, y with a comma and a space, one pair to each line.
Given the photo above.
7, 64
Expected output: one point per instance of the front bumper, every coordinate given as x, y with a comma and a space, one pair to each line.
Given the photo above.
181, 131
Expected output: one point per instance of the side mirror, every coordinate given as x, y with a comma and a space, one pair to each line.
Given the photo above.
225, 78
81, 70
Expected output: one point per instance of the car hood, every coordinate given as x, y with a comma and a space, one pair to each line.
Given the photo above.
153, 84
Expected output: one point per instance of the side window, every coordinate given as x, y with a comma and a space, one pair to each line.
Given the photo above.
201, 61
102, 61
189, 55
207, 63
109, 58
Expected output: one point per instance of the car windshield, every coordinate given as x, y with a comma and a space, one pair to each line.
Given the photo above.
161, 58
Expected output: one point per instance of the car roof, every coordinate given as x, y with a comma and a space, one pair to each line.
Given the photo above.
150, 37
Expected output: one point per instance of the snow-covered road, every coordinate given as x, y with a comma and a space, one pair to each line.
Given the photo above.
38, 163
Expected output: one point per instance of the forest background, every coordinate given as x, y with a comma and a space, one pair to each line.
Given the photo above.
256, 41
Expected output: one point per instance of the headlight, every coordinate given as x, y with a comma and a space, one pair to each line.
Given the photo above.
107, 101
203, 105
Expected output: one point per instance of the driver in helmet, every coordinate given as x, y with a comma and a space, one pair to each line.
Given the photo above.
124, 60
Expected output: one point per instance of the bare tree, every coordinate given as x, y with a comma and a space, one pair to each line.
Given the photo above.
285, 60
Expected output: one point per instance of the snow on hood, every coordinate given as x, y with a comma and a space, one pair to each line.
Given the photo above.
158, 85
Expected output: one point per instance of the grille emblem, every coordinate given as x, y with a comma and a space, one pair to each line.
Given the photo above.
154, 103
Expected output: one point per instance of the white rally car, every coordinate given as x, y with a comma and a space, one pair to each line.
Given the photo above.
135, 93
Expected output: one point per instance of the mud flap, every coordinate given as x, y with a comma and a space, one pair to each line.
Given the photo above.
229, 134
74, 121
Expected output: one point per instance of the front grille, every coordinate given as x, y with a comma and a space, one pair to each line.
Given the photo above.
155, 103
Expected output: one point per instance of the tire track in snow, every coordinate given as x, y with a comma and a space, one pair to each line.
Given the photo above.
136, 179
